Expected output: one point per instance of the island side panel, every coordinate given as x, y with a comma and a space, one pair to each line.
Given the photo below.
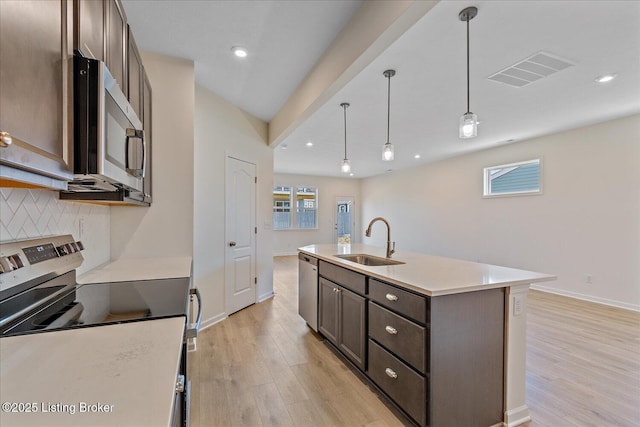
516, 409
467, 365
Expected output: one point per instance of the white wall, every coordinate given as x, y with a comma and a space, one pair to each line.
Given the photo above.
166, 228
287, 241
221, 129
30, 214
587, 222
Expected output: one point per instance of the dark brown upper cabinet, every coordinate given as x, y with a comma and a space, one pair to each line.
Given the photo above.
89, 29
136, 84
35, 102
148, 136
115, 36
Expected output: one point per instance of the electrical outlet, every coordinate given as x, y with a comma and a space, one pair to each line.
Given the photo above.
81, 228
588, 279
518, 303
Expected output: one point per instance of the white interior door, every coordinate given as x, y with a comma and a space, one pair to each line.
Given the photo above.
240, 235
344, 220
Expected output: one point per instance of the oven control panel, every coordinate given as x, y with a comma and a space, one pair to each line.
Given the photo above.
28, 259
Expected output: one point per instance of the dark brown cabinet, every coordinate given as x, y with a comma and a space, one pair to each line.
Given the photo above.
352, 333
135, 77
148, 135
89, 30
115, 36
328, 310
35, 115
342, 320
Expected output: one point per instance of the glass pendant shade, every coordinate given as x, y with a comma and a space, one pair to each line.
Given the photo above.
346, 166
387, 152
468, 125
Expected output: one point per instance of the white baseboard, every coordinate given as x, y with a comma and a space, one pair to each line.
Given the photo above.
215, 319
517, 416
286, 253
266, 296
584, 297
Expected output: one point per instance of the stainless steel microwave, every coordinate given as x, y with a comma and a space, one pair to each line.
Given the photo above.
109, 145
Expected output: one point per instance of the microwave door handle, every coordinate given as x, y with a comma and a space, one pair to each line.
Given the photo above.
135, 169
144, 153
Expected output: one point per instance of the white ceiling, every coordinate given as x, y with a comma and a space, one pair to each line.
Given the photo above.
284, 40
428, 93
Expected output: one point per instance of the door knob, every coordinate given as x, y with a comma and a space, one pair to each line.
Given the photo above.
232, 243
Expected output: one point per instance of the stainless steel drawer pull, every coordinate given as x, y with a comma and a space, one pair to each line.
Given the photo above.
391, 330
180, 384
392, 297
5, 139
391, 373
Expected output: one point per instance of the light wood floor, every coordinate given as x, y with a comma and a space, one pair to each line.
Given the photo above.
264, 367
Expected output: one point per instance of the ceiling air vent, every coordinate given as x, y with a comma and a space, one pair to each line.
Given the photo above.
535, 67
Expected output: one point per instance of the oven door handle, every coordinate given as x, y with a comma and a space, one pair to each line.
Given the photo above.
193, 328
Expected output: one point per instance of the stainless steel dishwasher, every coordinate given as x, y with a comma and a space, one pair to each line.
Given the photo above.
308, 289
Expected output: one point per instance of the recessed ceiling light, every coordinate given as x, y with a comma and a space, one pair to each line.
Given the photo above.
417, 156
240, 52
309, 144
284, 146
606, 78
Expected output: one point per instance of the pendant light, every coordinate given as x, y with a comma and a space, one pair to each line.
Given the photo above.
468, 121
346, 166
387, 149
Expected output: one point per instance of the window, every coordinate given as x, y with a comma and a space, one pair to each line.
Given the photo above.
306, 207
513, 179
305, 215
281, 208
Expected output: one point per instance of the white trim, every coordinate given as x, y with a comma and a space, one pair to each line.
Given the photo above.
266, 296
517, 416
212, 321
286, 253
590, 298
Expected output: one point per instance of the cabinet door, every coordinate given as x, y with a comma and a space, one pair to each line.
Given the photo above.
351, 324
115, 36
328, 317
34, 85
89, 28
148, 135
134, 65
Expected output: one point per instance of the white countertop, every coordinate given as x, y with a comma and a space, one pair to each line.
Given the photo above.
427, 274
129, 368
133, 269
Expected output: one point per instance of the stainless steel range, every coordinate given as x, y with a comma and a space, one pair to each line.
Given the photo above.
39, 293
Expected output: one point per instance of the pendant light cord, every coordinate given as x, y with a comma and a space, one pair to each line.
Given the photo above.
388, 105
468, 102
345, 130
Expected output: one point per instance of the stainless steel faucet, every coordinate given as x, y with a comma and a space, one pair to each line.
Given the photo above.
367, 233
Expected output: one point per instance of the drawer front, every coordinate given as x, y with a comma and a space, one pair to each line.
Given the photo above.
403, 302
406, 387
402, 337
349, 279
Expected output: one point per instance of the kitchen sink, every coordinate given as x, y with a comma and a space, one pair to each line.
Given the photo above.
369, 260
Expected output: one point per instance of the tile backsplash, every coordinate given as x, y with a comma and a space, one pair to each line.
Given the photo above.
29, 214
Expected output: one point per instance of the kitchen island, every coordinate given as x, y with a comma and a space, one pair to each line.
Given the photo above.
444, 339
